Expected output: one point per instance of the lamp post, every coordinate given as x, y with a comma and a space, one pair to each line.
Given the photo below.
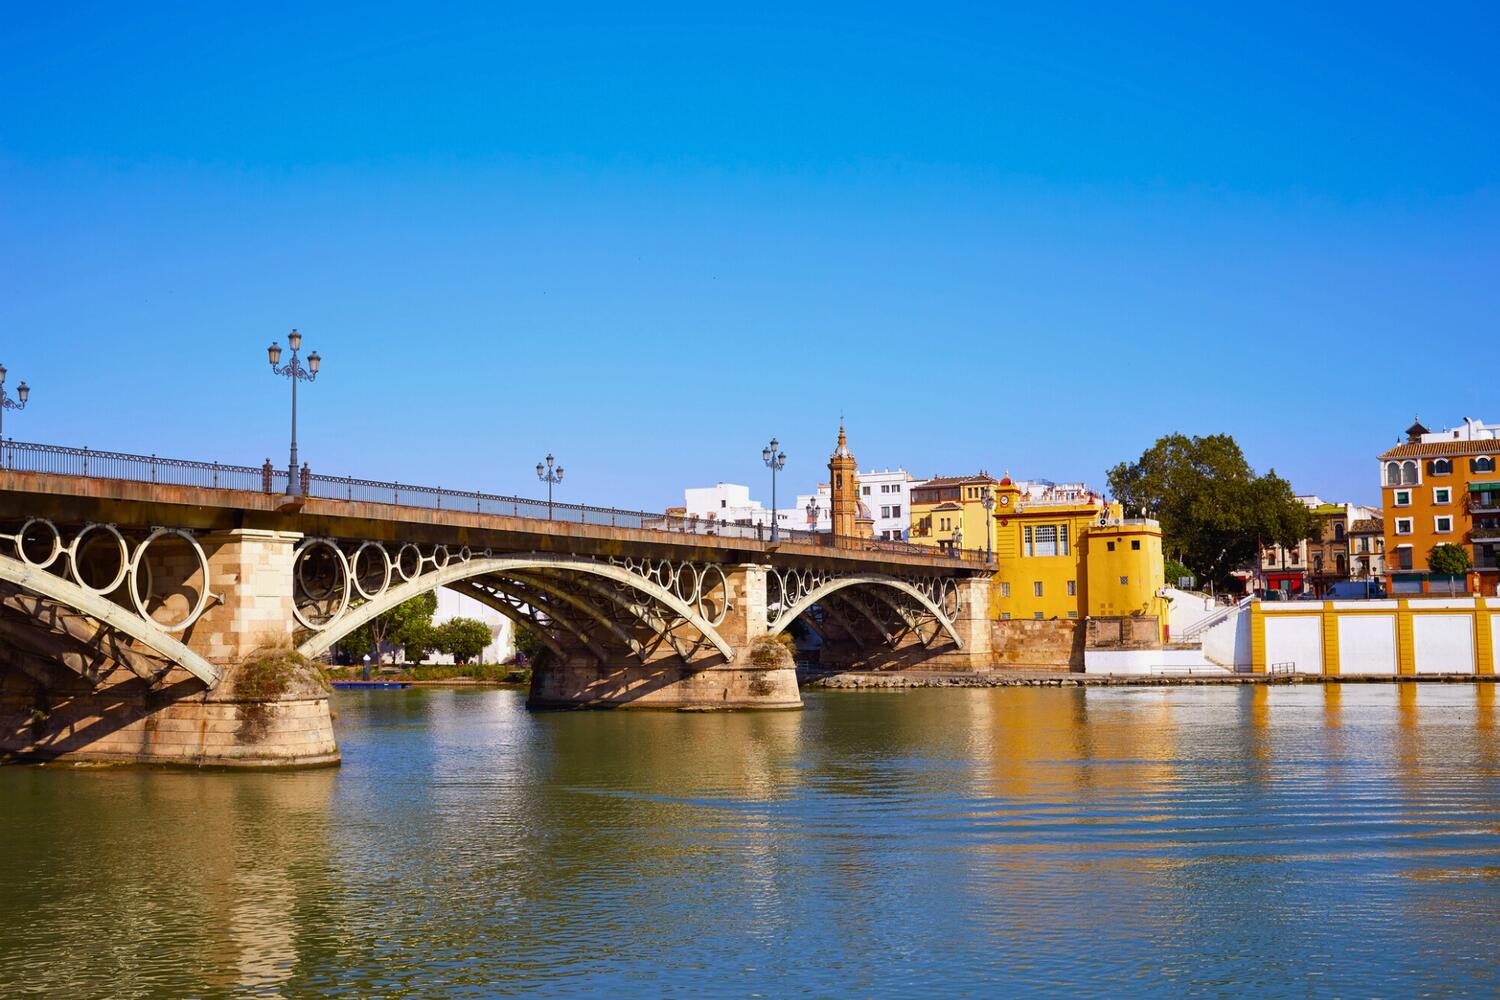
988, 500
551, 477
23, 393
293, 370
775, 461
812, 514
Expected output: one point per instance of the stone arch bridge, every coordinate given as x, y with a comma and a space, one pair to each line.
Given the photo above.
135, 590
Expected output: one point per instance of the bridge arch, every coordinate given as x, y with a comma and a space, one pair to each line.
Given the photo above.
873, 581
95, 605
456, 572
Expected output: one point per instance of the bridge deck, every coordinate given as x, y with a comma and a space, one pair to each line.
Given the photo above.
203, 508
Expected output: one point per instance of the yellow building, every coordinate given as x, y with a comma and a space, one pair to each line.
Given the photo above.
1039, 550
1065, 553
949, 513
1061, 552
1126, 572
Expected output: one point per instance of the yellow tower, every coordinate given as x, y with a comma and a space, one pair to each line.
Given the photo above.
1125, 570
843, 484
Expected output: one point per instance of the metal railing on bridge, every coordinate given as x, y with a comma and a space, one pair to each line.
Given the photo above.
20, 456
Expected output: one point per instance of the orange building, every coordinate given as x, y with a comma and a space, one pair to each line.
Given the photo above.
1437, 487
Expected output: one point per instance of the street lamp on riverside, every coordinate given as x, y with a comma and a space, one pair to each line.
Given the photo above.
988, 500
775, 461
23, 393
293, 370
812, 514
551, 477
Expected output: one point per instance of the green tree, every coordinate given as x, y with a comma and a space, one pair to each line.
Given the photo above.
408, 624
1449, 559
528, 645
462, 638
1215, 512
1176, 571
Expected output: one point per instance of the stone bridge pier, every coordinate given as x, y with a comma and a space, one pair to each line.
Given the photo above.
157, 647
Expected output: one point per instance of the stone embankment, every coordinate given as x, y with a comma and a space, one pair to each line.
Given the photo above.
926, 679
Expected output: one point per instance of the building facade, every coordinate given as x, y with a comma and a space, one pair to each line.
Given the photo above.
728, 503
948, 512
1441, 487
1367, 549
886, 493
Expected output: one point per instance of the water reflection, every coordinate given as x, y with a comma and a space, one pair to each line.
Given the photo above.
1283, 840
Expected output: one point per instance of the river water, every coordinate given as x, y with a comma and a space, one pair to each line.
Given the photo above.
1289, 841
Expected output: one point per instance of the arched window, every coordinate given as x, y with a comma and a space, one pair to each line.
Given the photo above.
1393, 473
1439, 467
1483, 463
1408, 473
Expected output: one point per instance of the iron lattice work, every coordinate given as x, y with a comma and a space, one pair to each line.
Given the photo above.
638, 608
105, 595
858, 604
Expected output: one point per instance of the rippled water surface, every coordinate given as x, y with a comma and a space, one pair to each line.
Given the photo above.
1207, 841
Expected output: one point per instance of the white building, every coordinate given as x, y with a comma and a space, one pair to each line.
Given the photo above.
728, 502
886, 494
451, 604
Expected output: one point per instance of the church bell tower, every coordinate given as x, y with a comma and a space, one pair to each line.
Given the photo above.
843, 483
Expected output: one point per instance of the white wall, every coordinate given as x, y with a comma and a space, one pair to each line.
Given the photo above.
452, 604
1185, 609
1296, 640
1228, 643
1443, 644
1367, 644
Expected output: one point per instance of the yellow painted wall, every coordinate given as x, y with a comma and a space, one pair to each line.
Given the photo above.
1125, 570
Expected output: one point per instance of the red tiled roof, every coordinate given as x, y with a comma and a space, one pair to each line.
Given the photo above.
1443, 449
1368, 526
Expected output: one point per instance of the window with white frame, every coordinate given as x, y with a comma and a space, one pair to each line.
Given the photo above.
895, 510
1026, 541
1036, 588
1004, 590
1062, 539
1403, 498
1403, 525
1442, 494
1443, 524
1046, 540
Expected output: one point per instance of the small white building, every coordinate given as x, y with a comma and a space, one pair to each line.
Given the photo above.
886, 494
451, 604
726, 502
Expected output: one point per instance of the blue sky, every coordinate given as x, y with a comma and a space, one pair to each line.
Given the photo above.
1027, 238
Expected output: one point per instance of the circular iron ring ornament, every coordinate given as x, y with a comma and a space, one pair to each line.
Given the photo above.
357, 578
135, 571
76, 550
705, 592
401, 562
341, 561
57, 546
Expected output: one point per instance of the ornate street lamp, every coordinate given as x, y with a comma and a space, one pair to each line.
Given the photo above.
988, 500
293, 370
812, 514
551, 477
775, 461
23, 393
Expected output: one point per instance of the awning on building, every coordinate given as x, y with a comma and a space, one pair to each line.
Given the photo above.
1484, 487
